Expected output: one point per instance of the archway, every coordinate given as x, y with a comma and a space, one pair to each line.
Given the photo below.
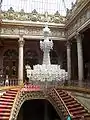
37, 109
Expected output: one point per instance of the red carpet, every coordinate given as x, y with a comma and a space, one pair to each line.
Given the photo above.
6, 103
30, 87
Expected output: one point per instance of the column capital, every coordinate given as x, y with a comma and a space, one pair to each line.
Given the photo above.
21, 41
79, 37
68, 44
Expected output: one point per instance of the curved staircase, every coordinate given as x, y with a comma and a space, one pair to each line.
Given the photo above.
75, 108
65, 104
6, 103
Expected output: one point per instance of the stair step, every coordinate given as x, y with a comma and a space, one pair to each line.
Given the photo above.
8, 100
4, 114
76, 117
86, 116
71, 102
63, 95
68, 100
7, 97
78, 112
5, 103
5, 106
4, 118
15, 90
76, 108
10, 94
5, 110
74, 105
66, 97
60, 91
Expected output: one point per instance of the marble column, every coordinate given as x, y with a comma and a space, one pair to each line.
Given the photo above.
69, 60
80, 58
20, 65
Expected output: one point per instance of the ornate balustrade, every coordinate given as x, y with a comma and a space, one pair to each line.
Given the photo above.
10, 82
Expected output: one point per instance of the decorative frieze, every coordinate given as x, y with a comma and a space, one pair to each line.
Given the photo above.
32, 31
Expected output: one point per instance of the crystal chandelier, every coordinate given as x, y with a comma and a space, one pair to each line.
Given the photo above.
46, 71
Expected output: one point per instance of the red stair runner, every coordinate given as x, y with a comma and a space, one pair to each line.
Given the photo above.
6, 103
75, 108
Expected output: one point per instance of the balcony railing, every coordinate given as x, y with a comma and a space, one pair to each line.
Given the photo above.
48, 84
11, 81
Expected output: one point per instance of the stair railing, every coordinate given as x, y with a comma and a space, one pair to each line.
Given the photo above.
63, 110
56, 103
65, 107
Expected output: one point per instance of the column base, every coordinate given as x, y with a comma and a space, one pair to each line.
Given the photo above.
20, 82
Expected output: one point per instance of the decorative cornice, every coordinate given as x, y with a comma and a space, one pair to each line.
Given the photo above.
33, 16
75, 11
82, 22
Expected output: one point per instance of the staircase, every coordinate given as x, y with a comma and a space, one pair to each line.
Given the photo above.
58, 103
77, 111
6, 103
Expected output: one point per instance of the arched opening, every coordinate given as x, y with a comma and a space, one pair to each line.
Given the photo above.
38, 109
